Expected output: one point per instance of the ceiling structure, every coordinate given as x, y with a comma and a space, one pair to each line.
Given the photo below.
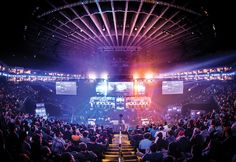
119, 33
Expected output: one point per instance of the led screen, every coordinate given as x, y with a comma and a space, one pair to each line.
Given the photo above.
120, 88
101, 88
120, 103
139, 88
172, 87
66, 88
40, 110
102, 102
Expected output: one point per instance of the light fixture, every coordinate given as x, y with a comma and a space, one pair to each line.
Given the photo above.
92, 76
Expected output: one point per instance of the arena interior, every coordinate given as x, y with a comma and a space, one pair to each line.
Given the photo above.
117, 81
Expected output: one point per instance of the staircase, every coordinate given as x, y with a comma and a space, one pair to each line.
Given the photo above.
120, 150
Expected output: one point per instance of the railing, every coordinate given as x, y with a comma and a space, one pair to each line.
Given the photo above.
120, 159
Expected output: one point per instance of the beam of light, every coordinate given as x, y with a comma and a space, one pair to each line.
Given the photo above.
148, 76
135, 76
204, 62
104, 76
92, 76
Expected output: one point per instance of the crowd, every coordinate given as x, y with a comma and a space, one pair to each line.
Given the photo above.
29, 138
25, 137
210, 137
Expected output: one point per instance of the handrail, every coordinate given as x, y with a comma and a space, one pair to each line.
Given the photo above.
120, 148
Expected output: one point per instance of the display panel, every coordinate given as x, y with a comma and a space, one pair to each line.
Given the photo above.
102, 102
196, 113
66, 88
101, 88
138, 102
120, 103
172, 87
120, 88
41, 110
139, 88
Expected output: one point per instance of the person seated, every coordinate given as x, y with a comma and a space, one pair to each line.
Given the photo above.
67, 157
85, 137
153, 155
161, 143
84, 155
98, 149
144, 144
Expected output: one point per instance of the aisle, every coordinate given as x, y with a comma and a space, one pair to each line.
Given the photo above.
123, 152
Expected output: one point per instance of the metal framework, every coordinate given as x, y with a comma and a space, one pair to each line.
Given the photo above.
117, 33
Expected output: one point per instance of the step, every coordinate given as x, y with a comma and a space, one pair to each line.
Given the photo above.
111, 153
109, 160
114, 144
131, 160
127, 157
124, 153
122, 149
111, 156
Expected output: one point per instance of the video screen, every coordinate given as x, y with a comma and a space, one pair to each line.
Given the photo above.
139, 88
120, 103
41, 110
102, 102
66, 88
101, 88
120, 88
172, 87
135, 102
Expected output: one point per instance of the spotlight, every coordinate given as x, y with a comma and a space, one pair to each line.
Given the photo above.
104, 76
92, 76
135, 76
149, 76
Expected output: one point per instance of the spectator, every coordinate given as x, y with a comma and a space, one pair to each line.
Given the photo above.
144, 144
84, 155
153, 155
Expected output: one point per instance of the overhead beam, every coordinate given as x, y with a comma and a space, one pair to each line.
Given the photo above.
134, 21
124, 22
92, 1
105, 21
114, 20
143, 23
150, 26
96, 23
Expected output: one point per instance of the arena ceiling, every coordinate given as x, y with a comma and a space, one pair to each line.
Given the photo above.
117, 33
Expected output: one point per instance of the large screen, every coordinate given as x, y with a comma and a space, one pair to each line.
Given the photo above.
40, 110
172, 87
136, 102
102, 102
66, 88
139, 88
120, 88
120, 103
101, 88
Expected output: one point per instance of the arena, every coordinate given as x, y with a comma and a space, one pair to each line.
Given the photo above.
117, 81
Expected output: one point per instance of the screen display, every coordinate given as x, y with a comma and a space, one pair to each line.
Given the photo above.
135, 102
40, 110
139, 88
172, 87
40, 105
120, 103
101, 88
66, 88
120, 88
102, 102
